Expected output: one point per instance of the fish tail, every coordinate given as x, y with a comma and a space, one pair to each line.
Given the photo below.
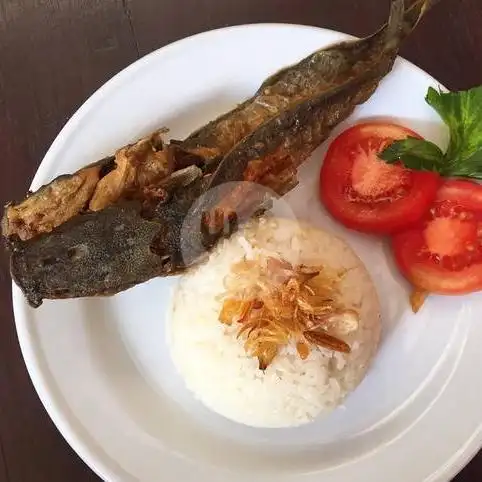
414, 12
404, 17
395, 21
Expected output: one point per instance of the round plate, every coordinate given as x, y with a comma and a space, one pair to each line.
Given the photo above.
101, 366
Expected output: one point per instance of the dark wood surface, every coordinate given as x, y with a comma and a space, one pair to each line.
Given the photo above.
55, 53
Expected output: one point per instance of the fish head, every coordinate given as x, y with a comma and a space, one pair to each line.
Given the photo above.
94, 254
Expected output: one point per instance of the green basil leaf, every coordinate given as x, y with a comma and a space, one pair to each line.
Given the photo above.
462, 112
415, 153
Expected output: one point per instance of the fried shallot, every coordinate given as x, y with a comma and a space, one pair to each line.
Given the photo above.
273, 303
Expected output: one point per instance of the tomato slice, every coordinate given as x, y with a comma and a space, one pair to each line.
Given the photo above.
443, 253
367, 194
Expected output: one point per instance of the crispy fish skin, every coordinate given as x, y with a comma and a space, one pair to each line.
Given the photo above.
133, 168
87, 256
138, 167
74, 260
54, 203
290, 138
314, 75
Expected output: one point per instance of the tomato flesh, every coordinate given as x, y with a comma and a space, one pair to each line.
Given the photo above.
443, 253
364, 192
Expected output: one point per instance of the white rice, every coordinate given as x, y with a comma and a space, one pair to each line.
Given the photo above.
290, 392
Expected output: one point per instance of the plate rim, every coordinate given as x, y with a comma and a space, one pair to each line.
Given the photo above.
30, 352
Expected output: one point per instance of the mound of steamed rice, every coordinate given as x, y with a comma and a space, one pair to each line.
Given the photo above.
291, 391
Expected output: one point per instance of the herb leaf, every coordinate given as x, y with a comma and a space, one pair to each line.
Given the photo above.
415, 154
462, 112
471, 167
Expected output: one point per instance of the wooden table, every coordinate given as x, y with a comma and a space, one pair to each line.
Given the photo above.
55, 53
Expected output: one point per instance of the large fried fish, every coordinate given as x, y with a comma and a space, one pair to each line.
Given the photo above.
123, 220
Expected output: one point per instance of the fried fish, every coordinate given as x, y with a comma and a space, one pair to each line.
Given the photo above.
123, 220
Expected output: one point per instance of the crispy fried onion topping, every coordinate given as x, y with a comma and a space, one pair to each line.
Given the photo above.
272, 303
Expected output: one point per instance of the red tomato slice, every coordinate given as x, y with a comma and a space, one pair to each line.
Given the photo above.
364, 192
443, 254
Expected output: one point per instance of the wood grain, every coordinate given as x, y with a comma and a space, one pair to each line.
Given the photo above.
55, 53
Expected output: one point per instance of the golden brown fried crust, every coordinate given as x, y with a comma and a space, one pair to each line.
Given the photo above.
205, 152
110, 187
277, 171
137, 167
52, 205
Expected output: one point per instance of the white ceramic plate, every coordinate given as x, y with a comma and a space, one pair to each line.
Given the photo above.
101, 366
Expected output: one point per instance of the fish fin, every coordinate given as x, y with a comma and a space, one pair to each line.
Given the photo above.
414, 13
